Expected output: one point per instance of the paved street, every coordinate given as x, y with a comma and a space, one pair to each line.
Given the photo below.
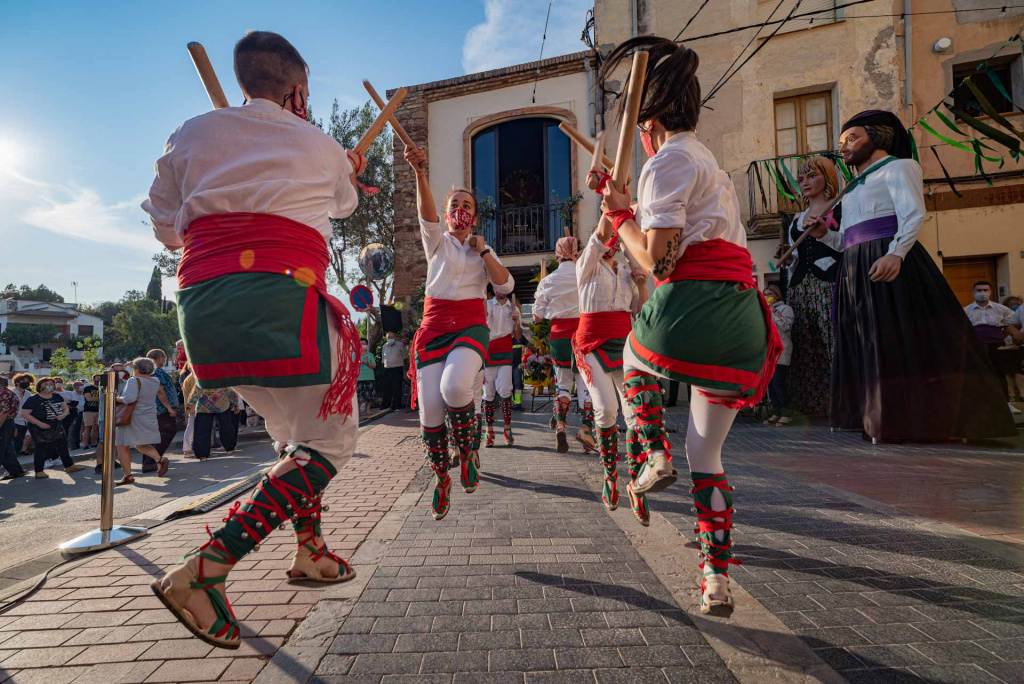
37, 515
530, 580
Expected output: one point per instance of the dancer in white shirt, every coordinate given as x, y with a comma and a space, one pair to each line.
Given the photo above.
503, 321
450, 347
558, 300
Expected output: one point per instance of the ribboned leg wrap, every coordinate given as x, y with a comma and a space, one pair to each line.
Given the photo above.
506, 410
608, 446
634, 450
489, 411
714, 527
462, 425
560, 411
436, 441
587, 417
643, 394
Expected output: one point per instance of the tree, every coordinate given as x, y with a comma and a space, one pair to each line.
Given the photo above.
26, 335
87, 367
167, 261
138, 327
39, 294
154, 291
374, 218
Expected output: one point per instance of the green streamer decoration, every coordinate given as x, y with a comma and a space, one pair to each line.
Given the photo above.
990, 110
945, 119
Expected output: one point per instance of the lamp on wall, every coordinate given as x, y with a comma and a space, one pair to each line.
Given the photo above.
942, 45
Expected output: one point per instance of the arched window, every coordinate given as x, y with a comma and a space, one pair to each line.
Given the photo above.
524, 166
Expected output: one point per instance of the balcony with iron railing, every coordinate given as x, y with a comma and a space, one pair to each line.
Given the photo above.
525, 230
773, 193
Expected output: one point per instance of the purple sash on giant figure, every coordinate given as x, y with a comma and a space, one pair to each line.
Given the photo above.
872, 229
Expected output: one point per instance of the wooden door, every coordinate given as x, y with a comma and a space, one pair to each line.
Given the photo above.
961, 273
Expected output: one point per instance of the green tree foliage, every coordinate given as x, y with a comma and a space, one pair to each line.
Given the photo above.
72, 369
154, 292
39, 294
167, 261
26, 335
137, 327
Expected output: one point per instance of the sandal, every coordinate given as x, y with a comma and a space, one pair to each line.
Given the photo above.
509, 441
588, 447
308, 553
715, 597
771, 421
183, 580
126, 480
161, 468
561, 442
782, 424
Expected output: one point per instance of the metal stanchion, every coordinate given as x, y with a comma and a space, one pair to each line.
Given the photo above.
107, 535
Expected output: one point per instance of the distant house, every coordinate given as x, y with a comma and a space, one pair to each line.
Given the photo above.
70, 322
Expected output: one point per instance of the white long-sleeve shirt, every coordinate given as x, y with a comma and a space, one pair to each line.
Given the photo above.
558, 295
603, 288
783, 316
896, 189
682, 187
258, 158
501, 318
454, 269
993, 313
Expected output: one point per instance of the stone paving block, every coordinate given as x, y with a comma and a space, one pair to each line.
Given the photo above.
613, 637
632, 675
551, 638
333, 664
354, 644
488, 678
489, 641
590, 657
524, 660
386, 663
463, 661
176, 648
653, 656
953, 652
427, 643
189, 670
461, 623
562, 677
892, 634
119, 673
699, 675
895, 655
405, 625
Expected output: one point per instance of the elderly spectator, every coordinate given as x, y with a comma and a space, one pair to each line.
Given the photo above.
91, 413
67, 393
783, 315
22, 383
393, 353
44, 411
188, 388
166, 420
9, 409
366, 386
213, 405
143, 432
991, 321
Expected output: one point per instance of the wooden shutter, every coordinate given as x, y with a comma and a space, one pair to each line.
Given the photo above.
765, 7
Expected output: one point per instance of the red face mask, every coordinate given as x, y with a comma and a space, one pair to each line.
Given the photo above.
645, 140
459, 219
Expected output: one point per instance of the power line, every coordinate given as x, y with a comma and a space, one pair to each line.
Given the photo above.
767, 40
745, 47
812, 13
703, 4
543, 40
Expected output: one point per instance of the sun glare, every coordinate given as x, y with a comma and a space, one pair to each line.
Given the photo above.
10, 154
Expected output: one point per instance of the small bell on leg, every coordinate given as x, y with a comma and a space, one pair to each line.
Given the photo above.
561, 405
462, 423
489, 418
608, 443
436, 441
714, 534
506, 413
634, 450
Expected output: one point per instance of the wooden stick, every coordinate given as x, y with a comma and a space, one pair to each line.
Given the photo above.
831, 205
208, 76
593, 181
543, 268
585, 143
627, 131
378, 124
379, 101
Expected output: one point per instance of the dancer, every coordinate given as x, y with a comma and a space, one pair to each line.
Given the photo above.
503, 320
558, 300
610, 294
255, 313
450, 347
812, 276
706, 323
891, 351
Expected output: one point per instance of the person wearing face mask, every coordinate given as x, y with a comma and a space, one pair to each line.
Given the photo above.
706, 324
450, 346
9, 410
44, 411
22, 388
367, 380
503, 322
558, 300
393, 355
991, 321
890, 350
782, 315
249, 193
1014, 352
812, 270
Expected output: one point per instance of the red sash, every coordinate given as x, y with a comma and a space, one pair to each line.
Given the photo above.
443, 317
564, 328
722, 261
222, 244
595, 329
501, 345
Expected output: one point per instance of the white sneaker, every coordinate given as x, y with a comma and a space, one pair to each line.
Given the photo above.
52, 463
655, 475
1014, 409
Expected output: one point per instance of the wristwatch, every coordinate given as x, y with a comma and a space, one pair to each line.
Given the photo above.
485, 252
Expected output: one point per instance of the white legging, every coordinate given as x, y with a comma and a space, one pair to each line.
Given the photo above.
497, 379
564, 378
606, 393
706, 431
447, 384
478, 392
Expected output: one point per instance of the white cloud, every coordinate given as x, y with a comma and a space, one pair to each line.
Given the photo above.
512, 29
81, 213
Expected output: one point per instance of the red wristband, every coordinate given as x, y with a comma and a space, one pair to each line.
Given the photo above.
620, 216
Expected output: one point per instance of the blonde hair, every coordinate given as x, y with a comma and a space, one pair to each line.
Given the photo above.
826, 168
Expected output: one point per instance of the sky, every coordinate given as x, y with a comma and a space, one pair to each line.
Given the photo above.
94, 89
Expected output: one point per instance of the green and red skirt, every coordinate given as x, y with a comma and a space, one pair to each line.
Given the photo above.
499, 352
562, 330
604, 334
707, 325
253, 308
448, 324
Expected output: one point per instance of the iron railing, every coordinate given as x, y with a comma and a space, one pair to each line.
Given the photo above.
773, 193
524, 230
